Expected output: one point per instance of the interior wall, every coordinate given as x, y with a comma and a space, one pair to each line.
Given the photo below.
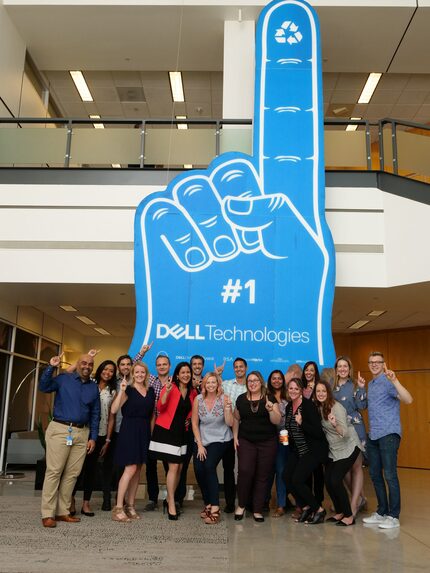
12, 57
407, 352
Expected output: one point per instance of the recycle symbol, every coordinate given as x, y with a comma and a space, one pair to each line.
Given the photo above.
290, 28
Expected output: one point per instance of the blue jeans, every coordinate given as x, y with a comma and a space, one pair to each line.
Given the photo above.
382, 456
206, 471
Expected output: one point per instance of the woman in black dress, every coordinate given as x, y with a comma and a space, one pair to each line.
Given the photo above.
169, 438
137, 406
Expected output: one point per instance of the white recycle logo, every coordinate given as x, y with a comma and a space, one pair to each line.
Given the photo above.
294, 37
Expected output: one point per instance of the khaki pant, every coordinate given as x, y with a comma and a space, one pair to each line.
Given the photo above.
63, 466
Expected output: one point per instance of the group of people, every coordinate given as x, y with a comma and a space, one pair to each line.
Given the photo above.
302, 431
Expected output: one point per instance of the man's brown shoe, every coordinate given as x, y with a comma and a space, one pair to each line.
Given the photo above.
67, 518
49, 522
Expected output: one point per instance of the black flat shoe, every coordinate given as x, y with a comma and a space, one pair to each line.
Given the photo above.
317, 518
343, 524
106, 505
332, 520
258, 518
87, 513
239, 516
306, 514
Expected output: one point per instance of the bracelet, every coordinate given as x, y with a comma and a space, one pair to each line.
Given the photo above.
108, 441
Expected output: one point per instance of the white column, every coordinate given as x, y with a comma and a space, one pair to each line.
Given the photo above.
12, 57
239, 63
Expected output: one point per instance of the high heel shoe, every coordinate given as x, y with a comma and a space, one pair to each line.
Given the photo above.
118, 514
305, 515
171, 516
258, 518
131, 512
239, 516
317, 518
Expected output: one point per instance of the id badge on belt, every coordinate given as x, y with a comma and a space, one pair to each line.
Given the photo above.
69, 439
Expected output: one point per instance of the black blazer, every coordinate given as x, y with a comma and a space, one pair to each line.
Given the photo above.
312, 429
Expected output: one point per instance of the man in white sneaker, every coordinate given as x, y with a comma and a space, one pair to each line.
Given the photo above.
384, 395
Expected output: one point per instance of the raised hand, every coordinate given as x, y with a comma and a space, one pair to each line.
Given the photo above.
219, 369
93, 352
389, 374
123, 385
56, 360
332, 419
239, 256
145, 348
298, 418
227, 402
361, 382
269, 405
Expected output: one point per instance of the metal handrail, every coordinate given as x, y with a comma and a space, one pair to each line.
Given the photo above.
394, 124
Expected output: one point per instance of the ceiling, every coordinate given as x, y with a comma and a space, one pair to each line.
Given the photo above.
131, 46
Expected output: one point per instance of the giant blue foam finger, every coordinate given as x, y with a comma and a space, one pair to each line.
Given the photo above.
269, 298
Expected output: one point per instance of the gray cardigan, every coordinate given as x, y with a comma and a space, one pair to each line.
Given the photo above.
340, 447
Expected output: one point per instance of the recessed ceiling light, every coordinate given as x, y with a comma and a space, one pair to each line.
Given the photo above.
85, 319
369, 88
352, 127
68, 308
96, 125
376, 312
181, 125
81, 86
358, 324
102, 331
176, 86
188, 166
116, 165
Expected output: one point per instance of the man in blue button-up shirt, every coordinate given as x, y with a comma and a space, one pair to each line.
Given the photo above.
69, 437
384, 395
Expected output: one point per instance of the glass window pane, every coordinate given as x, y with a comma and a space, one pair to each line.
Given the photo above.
21, 394
5, 335
48, 349
25, 343
4, 361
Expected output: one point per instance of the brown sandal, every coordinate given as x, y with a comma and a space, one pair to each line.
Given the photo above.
279, 512
212, 517
118, 514
131, 512
205, 511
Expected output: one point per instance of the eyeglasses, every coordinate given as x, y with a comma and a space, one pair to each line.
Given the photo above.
375, 362
255, 381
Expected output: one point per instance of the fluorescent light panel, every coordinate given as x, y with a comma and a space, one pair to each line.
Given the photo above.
188, 166
176, 86
181, 125
68, 308
97, 125
81, 85
352, 127
102, 331
116, 165
85, 319
358, 324
369, 88
376, 312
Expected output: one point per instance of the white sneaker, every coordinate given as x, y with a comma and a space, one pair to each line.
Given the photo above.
374, 519
389, 523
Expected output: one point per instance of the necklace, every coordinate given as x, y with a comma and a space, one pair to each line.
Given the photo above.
254, 405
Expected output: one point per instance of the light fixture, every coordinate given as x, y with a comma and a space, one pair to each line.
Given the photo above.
116, 165
102, 331
376, 312
181, 125
68, 308
85, 319
353, 127
358, 324
81, 86
369, 88
176, 86
96, 125
188, 166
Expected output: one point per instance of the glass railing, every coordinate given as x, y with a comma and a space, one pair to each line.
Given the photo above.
391, 145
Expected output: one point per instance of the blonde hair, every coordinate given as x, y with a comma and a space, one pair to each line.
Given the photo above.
351, 370
206, 378
133, 368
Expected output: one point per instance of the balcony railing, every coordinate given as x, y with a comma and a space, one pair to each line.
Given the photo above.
390, 145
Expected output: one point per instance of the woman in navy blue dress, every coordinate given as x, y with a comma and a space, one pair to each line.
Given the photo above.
137, 406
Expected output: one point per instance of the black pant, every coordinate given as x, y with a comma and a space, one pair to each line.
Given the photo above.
91, 469
297, 473
334, 474
228, 462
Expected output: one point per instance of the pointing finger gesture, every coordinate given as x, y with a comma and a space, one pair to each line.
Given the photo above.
360, 380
